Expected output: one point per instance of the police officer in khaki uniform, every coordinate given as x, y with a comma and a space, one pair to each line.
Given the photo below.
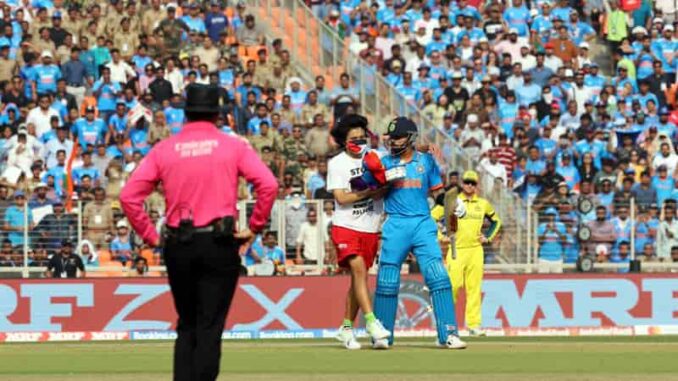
113, 17
286, 112
43, 42
267, 137
98, 218
72, 22
312, 108
134, 19
41, 21
275, 80
285, 64
8, 66
152, 17
99, 20
125, 40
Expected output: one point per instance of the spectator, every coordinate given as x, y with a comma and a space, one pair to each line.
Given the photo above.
139, 268
16, 220
163, 85
270, 251
56, 226
317, 183
250, 35
344, 96
552, 237
295, 212
312, 238
665, 157
662, 184
6, 259
667, 232
495, 170
88, 254
603, 234
40, 116
65, 264
122, 249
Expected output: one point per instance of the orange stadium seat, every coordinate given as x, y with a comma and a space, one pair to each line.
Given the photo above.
150, 257
104, 256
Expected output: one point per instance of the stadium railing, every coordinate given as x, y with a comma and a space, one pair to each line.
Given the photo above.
25, 250
317, 49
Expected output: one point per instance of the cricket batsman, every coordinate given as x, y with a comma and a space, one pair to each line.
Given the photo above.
465, 264
355, 224
411, 176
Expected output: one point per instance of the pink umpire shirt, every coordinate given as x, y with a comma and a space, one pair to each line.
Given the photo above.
199, 169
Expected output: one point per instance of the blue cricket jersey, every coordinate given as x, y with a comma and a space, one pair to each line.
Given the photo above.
409, 197
45, 78
89, 133
175, 119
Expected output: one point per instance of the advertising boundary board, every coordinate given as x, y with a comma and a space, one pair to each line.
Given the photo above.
311, 307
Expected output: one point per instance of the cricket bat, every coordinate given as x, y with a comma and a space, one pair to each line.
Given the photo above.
451, 218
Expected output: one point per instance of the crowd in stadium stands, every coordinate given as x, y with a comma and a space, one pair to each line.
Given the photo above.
561, 101
88, 87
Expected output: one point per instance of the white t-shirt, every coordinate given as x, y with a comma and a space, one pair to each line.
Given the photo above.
313, 237
41, 119
363, 216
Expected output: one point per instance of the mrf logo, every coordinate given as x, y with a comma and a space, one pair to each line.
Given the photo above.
580, 302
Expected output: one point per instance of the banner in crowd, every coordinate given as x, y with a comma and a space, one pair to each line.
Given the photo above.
310, 307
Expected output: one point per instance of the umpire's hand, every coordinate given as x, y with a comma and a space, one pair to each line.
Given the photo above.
245, 237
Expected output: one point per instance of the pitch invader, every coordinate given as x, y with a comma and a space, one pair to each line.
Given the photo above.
411, 176
355, 224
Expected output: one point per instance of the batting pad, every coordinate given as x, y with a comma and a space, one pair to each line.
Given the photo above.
440, 288
386, 296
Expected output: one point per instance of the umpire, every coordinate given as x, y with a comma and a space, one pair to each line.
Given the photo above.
199, 169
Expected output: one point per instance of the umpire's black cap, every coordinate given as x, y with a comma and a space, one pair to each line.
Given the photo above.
400, 127
202, 98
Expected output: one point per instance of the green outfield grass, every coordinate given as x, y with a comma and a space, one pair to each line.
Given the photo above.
596, 358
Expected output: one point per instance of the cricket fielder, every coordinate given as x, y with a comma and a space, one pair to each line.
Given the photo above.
412, 176
355, 224
465, 267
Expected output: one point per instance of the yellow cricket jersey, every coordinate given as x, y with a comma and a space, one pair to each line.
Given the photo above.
468, 228
471, 225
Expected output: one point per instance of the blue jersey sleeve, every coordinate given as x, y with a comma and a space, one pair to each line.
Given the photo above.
434, 179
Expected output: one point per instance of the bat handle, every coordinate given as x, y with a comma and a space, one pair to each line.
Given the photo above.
453, 246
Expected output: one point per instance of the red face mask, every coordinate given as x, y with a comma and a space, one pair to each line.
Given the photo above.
357, 146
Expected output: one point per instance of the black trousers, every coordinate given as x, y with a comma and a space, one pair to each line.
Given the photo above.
203, 275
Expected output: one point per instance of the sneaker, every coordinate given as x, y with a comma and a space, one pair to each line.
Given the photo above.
476, 332
346, 336
380, 344
377, 331
454, 342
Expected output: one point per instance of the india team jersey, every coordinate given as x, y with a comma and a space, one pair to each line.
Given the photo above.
363, 216
408, 197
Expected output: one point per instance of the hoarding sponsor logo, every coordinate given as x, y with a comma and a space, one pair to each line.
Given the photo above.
28, 337
108, 336
275, 311
65, 336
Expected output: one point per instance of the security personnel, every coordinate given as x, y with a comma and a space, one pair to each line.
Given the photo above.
466, 269
199, 169
65, 264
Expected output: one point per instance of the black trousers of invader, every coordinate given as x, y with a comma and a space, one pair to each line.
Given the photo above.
203, 275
